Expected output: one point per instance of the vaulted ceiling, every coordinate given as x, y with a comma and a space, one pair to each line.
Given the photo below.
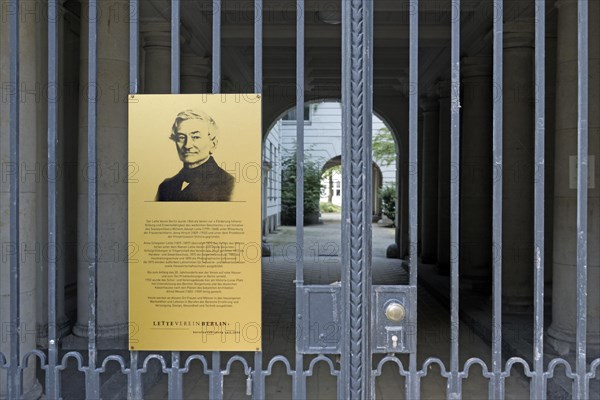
323, 39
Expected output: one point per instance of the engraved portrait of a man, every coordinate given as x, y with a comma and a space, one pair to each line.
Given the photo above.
196, 136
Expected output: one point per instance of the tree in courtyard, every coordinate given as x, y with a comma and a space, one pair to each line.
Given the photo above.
312, 191
384, 148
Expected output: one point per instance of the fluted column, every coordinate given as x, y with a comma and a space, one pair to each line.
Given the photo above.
32, 218
113, 72
518, 171
562, 332
429, 179
156, 36
476, 174
443, 214
195, 72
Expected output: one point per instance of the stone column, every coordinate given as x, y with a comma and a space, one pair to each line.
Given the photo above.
429, 180
195, 74
156, 36
32, 218
518, 168
562, 332
443, 214
113, 72
476, 174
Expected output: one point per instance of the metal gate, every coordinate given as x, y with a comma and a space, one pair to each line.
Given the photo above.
373, 319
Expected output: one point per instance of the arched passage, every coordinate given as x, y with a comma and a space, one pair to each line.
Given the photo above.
333, 185
323, 146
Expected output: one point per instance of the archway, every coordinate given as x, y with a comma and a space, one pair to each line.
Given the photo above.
323, 146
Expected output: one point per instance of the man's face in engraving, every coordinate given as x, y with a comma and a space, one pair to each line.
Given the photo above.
194, 142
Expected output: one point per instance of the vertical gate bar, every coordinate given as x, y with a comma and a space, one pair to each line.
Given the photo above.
357, 102
134, 390
216, 47
216, 379
538, 387
14, 379
175, 384
258, 49
581, 391
92, 384
299, 381
412, 384
134, 382
134, 41
496, 383
344, 379
52, 376
175, 50
175, 378
258, 386
454, 383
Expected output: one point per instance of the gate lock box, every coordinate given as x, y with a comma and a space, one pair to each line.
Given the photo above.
393, 319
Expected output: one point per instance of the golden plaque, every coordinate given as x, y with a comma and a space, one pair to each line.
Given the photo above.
194, 179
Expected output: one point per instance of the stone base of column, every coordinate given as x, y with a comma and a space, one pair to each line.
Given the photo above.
62, 329
564, 342
392, 251
34, 393
108, 337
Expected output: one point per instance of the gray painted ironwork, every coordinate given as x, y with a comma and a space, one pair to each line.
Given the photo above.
92, 387
14, 372
413, 380
581, 386
355, 376
496, 389
538, 384
134, 43
175, 381
299, 380
454, 383
52, 374
258, 46
215, 377
175, 48
258, 380
216, 46
357, 110
134, 381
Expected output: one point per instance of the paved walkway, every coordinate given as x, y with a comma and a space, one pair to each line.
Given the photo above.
322, 260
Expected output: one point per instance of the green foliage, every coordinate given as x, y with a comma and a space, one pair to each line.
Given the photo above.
384, 148
388, 198
312, 190
330, 208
